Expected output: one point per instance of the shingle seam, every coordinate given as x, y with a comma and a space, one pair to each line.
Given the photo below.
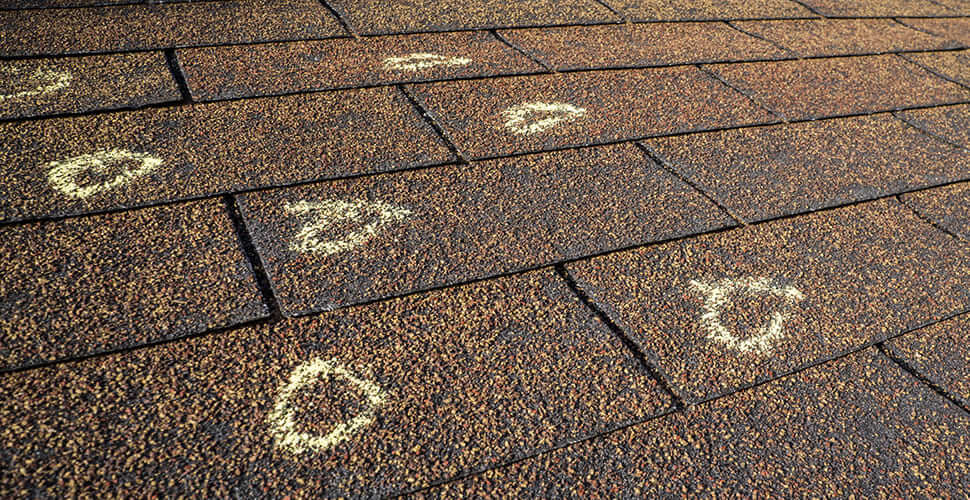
748, 95
940, 4
615, 12
671, 169
341, 18
178, 75
794, 55
893, 356
931, 70
926, 132
431, 120
809, 8
129, 3
649, 368
320, 180
527, 54
928, 220
249, 250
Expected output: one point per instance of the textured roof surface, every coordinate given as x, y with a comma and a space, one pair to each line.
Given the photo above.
440, 248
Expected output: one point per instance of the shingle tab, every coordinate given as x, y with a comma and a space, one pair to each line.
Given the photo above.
833, 37
427, 387
82, 286
859, 425
36, 87
947, 206
949, 122
191, 151
766, 172
380, 17
631, 45
878, 8
238, 71
521, 114
941, 353
723, 311
140, 27
667, 10
956, 29
817, 88
454, 224
953, 65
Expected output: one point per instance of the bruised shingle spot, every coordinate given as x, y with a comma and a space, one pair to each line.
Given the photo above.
329, 214
67, 176
535, 117
45, 81
423, 60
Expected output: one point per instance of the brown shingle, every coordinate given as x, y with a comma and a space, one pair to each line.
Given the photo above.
831, 87
950, 122
211, 148
878, 8
454, 224
628, 45
380, 17
723, 311
460, 379
953, 65
766, 172
520, 114
832, 37
859, 425
947, 206
954, 29
941, 353
668, 10
36, 87
246, 70
139, 27
87, 285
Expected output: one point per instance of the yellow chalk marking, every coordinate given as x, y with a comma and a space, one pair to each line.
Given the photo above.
283, 424
717, 295
329, 212
52, 81
63, 174
422, 60
522, 119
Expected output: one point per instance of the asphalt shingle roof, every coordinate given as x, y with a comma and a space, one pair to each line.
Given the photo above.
439, 248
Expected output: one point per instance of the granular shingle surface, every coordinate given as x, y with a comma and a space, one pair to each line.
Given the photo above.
76, 287
766, 172
884, 8
957, 29
190, 151
434, 385
858, 425
245, 70
832, 37
953, 65
520, 114
453, 224
36, 87
951, 122
947, 206
829, 87
723, 311
630, 45
666, 10
150, 26
377, 16
941, 353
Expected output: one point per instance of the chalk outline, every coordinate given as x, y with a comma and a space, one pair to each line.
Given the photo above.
422, 60
57, 80
283, 425
306, 240
62, 174
517, 116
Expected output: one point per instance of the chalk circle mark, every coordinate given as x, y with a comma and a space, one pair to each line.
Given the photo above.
328, 214
717, 295
422, 60
66, 175
282, 419
535, 117
46, 81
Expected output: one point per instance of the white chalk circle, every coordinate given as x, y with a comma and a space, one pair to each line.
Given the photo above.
422, 60
47, 81
372, 216
283, 424
535, 117
64, 175
717, 296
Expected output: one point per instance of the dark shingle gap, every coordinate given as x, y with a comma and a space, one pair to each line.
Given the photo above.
929, 220
532, 57
178, 75
810, 8
255, 262
669, 168
615, 12
759, 37
747, 95
931, 70
430, 118
926, 132
888, 352
341, 18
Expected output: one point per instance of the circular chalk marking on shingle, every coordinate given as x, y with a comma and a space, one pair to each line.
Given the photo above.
535, 117
283, 424
64, 174
371, 215
717, 295
48, 81
422, 60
